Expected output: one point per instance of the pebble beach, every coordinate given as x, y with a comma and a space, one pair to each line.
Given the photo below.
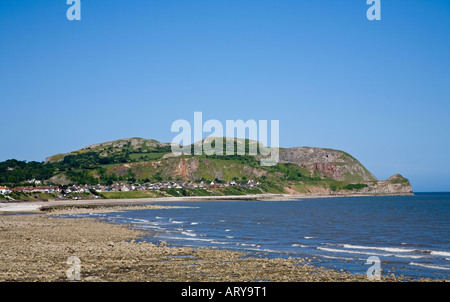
36, 248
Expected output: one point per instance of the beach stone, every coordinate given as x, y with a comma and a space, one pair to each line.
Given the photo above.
134, 262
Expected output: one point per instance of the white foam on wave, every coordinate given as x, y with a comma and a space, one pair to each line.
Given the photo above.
440, 253
309, 237
369, 253
430, 266
152, 227
195, 222
335, 257
299, 245
188, 233
349, 252
386, 249
247, 244
219, 242
179, 222
396, 250
140, 221
228, 230
188, 238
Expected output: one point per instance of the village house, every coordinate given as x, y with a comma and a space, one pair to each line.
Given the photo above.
101, 188
5, 190
252, 183
23, 189
125, 187
46, 189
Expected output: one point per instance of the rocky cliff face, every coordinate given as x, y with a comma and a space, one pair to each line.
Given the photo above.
300, 170
330, 163
396, 185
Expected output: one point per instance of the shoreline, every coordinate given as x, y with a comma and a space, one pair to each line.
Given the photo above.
34, 206
37, 247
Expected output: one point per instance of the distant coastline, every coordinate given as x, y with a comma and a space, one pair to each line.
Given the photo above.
124, 203
142, 168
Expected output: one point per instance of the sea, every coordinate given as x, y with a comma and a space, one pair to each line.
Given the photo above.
409, 235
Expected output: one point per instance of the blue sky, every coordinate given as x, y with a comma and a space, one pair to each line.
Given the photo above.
378, 90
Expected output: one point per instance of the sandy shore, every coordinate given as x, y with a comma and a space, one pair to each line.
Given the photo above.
36, 248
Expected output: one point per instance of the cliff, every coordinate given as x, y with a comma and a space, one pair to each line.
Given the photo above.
330, 163
300, 169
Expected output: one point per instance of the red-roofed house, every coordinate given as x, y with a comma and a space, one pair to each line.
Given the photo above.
5, 190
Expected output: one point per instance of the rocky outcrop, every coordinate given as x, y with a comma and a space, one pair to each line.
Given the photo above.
59, 179
396, 185
186, 168
330, 163
133, 144
319, 171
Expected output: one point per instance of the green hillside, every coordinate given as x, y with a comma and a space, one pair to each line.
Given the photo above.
139, 161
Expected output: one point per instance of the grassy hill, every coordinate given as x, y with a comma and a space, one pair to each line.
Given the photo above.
138, 160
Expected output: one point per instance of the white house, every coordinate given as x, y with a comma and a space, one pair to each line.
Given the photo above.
4, 190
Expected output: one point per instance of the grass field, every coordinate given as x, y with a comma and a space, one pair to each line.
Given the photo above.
129, 194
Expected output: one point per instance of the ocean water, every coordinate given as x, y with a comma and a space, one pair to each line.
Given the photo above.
409, 234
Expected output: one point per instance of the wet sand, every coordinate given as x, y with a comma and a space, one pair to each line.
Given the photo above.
36, 248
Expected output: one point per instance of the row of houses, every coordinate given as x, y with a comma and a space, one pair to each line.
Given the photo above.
124, 187
170, 185
31, 189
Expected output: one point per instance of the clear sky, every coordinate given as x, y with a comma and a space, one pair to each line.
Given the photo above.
379, 90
